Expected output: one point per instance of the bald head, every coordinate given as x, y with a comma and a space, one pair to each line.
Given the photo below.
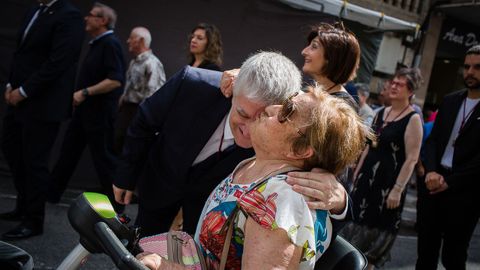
139, 40
144, 34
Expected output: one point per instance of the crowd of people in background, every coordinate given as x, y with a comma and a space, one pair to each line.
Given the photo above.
177, 148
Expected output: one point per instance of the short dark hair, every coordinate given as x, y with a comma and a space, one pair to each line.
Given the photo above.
341, 49
413, 77
214, 49
474, 50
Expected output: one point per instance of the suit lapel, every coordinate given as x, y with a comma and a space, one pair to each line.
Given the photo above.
26, 21
452, 113
38, 22
475, 117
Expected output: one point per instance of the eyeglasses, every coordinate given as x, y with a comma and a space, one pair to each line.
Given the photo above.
397, 83
288, 108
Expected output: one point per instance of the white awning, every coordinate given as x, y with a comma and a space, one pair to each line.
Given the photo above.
352, 12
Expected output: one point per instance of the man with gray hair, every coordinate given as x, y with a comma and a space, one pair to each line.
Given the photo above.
365, 111
187, 137
144, 76
99, 86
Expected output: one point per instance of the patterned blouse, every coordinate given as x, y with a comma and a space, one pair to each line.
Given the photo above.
273, 205
145, 75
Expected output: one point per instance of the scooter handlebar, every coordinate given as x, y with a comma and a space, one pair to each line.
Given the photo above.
122, 258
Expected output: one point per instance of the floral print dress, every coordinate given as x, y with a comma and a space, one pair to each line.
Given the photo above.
273, 205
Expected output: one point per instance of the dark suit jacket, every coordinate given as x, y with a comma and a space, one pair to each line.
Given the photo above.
167, 134
45, 62
466, 159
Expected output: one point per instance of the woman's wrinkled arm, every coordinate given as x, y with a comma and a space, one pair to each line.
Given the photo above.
268, 249
155, 262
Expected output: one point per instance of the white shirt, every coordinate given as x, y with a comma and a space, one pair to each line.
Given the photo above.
214, 142
447, 157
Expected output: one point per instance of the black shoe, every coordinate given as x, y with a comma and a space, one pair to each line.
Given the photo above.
22, 231
11, 216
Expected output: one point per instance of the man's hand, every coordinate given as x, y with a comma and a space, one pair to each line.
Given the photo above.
435, 182
227, 81
78, 98
14, 97
322, 186
151, 260
122, 196
121, 100
393, 199
7, 93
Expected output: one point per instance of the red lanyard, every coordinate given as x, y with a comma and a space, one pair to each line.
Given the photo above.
464, 119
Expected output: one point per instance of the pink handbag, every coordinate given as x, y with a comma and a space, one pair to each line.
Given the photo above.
175, 246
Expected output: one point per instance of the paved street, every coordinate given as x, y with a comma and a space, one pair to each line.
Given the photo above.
59, 238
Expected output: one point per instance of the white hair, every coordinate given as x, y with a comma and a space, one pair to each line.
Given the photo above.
143, 33
363, 89
109, 13
268, 77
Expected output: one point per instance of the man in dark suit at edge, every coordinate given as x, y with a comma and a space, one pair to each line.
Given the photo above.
187, 137
447, 208
39, 97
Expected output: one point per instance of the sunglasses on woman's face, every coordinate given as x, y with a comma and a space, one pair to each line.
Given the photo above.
288, 108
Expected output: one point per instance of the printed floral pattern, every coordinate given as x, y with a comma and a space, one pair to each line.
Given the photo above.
273, 205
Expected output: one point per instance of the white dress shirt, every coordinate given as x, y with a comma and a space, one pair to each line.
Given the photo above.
447, 157
216, 140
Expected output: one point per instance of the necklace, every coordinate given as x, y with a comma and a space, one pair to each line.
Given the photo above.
464, 118
219, 152
330, 88
379, 129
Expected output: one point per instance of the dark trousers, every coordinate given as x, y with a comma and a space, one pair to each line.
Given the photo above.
448, 217
98, 135
126, 112
27, 144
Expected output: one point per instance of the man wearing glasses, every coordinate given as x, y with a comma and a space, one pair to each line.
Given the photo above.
39, 97
187, 137
95, 100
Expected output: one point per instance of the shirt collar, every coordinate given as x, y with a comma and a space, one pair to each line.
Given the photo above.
227, 132
143, 55
49, 4
108, 32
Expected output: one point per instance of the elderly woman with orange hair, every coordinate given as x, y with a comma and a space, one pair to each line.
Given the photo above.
275, 227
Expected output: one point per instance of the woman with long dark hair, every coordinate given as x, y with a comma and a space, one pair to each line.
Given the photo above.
205, 47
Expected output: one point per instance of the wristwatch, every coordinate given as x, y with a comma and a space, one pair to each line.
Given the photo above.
85, 92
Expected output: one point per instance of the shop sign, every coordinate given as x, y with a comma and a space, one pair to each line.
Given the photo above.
456, 38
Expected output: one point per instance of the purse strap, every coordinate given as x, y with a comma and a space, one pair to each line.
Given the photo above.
229, 222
